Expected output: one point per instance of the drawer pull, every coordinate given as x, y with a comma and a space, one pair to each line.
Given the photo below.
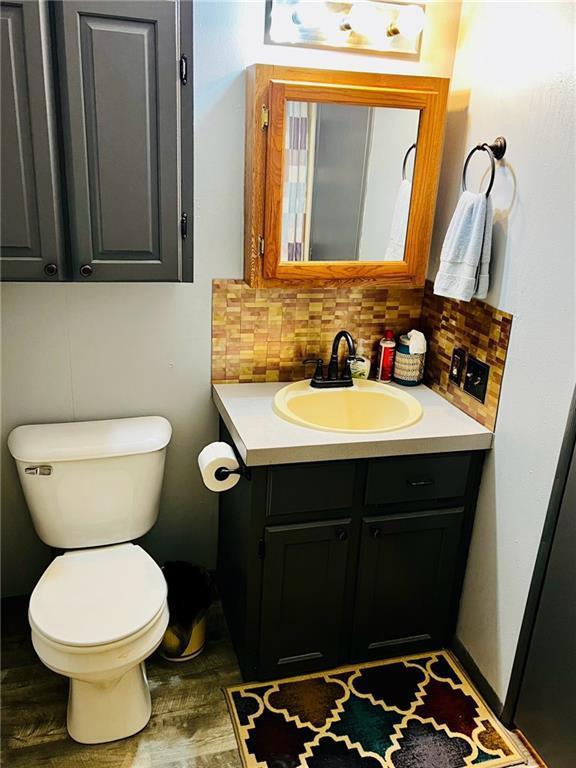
341, 534
419, 483
376, 532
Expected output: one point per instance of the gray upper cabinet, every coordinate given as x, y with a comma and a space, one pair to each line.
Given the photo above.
119, 82
120, 131
31, 242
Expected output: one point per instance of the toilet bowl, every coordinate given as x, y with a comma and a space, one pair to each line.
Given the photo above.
100, 609
95, 616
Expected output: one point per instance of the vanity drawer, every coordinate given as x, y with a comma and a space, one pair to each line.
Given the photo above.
310, 487
413, 478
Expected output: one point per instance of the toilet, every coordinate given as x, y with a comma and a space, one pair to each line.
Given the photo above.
100, 609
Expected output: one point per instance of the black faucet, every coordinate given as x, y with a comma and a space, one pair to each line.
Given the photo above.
332, 380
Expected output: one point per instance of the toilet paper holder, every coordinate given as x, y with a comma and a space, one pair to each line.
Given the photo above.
223, 473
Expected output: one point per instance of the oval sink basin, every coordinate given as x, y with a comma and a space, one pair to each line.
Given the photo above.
368, 406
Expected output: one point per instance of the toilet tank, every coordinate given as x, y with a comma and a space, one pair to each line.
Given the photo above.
92, 483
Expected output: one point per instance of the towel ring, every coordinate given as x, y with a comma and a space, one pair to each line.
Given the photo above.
405, 161
496, 151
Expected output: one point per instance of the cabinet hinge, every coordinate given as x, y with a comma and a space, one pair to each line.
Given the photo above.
184, 226
261, 548
264, 116
184, 70
260, 245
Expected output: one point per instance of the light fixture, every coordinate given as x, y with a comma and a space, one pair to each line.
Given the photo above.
374, 25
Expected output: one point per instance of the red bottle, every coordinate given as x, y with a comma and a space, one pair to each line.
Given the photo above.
386, 357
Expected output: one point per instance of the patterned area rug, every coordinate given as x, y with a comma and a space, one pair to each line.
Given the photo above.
410, 712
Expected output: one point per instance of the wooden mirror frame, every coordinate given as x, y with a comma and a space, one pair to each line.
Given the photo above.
268, 89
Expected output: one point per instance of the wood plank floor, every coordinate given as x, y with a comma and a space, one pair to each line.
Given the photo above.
189, 728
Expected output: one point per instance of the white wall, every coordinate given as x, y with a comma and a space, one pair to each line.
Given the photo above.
514, 76
96, 351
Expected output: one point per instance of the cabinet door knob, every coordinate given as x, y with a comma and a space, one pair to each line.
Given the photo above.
50, 270
86, 270
376, 532
341, 534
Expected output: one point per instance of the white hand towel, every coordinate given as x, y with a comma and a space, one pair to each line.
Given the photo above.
395, 249
465, 256
417, 344
483, 274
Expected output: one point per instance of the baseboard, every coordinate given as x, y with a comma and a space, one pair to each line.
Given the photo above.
530, 749
476, 676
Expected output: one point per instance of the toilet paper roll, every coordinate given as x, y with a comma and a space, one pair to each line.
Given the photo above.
213, 456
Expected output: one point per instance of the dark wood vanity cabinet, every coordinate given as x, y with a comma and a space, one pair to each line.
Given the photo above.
405, 581
328, 563
304, 574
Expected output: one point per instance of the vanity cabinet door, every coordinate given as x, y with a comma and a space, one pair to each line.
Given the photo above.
31, 246
406, 582
120, 92
303, 592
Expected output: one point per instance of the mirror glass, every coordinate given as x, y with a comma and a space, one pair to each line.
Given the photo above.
347, 181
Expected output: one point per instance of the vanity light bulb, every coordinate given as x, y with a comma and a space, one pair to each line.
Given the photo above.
365, 19
410, 21
335, 34
282, 26
314, 14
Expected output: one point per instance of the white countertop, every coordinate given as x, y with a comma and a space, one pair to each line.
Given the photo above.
262, 437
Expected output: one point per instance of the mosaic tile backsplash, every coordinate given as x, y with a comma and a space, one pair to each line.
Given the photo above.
264, 334
479, 329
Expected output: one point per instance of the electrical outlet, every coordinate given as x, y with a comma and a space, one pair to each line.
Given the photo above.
476, 379
457, 366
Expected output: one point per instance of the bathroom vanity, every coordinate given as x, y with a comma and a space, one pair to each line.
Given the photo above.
343, 547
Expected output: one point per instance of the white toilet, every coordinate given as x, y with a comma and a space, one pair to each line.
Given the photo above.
99, 610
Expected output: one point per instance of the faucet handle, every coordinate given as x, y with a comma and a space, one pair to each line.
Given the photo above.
347, 372
318, 362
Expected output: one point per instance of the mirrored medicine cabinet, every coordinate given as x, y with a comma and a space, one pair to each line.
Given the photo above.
341, 175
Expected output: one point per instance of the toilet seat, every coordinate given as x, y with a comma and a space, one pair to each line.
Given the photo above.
97, 597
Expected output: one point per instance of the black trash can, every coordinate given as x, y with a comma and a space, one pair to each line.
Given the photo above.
190, 592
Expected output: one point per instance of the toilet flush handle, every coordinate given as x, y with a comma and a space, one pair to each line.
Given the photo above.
42, 469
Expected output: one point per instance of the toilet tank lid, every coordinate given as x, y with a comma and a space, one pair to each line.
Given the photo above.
76, 440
